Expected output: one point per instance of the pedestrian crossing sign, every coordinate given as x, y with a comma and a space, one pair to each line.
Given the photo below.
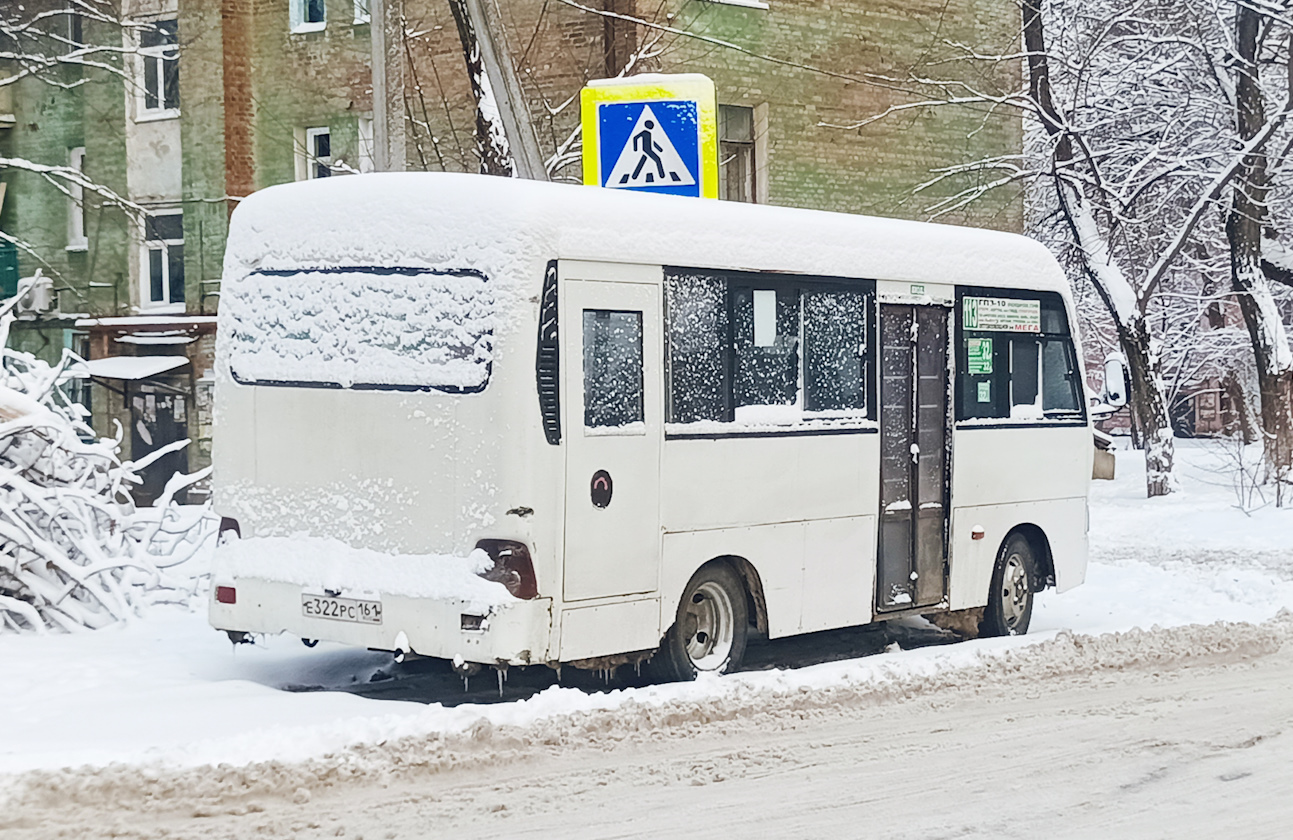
652, 133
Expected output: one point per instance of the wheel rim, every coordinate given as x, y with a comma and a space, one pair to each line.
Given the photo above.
710, 627
1015, 592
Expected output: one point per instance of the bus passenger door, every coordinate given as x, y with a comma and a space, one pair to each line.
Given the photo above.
613, 416
914, 435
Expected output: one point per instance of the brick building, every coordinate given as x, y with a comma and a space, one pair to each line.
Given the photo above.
213, 99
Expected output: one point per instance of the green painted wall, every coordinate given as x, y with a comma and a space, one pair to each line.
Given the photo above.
50, 121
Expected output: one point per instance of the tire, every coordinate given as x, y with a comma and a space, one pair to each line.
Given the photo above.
710, 629
1010, 597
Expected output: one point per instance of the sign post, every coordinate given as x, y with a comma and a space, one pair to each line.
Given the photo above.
652, 133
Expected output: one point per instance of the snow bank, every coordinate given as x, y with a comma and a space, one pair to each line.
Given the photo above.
331, 564
560, 719
1208, 514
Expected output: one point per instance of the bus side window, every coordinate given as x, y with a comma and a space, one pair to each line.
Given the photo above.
1060, 387
612, 368
835, 351
696, 312
984, 381
1024, 375
1024, 372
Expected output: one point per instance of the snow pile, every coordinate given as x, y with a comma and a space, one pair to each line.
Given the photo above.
281, 758
73, 551
362, 327
1216, 516
331, 564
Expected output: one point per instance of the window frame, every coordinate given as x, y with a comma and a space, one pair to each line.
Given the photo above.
807, 422
1003, 352
637, 425
147, 248
731, 149
161, 53
76, 227
365, 144
298, 25
363, 12
311, 160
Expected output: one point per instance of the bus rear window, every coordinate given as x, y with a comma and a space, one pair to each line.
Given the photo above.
362, 328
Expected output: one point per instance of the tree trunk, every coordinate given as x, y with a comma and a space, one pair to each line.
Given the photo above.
491, 137
1150, 424
1247, 217
1151, 428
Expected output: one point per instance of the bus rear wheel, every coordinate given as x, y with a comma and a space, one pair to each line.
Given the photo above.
711, 626
1010, 597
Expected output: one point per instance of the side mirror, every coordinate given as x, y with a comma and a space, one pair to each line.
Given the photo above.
1115, 382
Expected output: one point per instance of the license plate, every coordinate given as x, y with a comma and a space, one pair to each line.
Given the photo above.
341, 609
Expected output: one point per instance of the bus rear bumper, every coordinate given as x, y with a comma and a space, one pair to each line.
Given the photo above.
513, 633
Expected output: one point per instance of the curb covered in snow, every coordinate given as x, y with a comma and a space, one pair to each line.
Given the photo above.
560, 719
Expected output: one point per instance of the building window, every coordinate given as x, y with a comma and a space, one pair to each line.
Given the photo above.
76, 240
159, 50
318, 152
364, 125
736, 164
164, 260
309, 15
363, 14
75, 29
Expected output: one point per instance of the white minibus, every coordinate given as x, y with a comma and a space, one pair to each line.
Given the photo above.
505, 422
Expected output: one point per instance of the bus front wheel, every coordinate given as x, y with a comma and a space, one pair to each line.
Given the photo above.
710, 627
1010, 597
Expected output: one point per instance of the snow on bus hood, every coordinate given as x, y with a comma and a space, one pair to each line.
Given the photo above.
331, 564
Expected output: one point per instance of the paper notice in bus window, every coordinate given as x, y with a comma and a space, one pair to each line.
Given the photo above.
765, 318
978, 352
1002, 314
985, 392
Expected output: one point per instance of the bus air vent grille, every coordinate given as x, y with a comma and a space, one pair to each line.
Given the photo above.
548, 359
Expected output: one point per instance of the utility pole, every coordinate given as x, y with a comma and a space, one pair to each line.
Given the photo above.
494, 82
388, 138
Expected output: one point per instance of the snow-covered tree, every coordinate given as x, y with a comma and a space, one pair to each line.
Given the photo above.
74, 551
1136, 143
1263, 40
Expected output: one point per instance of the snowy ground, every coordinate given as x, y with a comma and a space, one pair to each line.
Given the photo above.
166, 693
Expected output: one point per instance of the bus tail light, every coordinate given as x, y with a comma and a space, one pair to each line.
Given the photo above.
512, 567
226, 595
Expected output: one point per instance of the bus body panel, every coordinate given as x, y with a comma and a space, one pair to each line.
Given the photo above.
1062, 521
1006, 464
1031, 476
623, 626
737, 479
775, 551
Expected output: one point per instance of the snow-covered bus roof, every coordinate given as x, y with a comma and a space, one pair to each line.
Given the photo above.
499, 226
